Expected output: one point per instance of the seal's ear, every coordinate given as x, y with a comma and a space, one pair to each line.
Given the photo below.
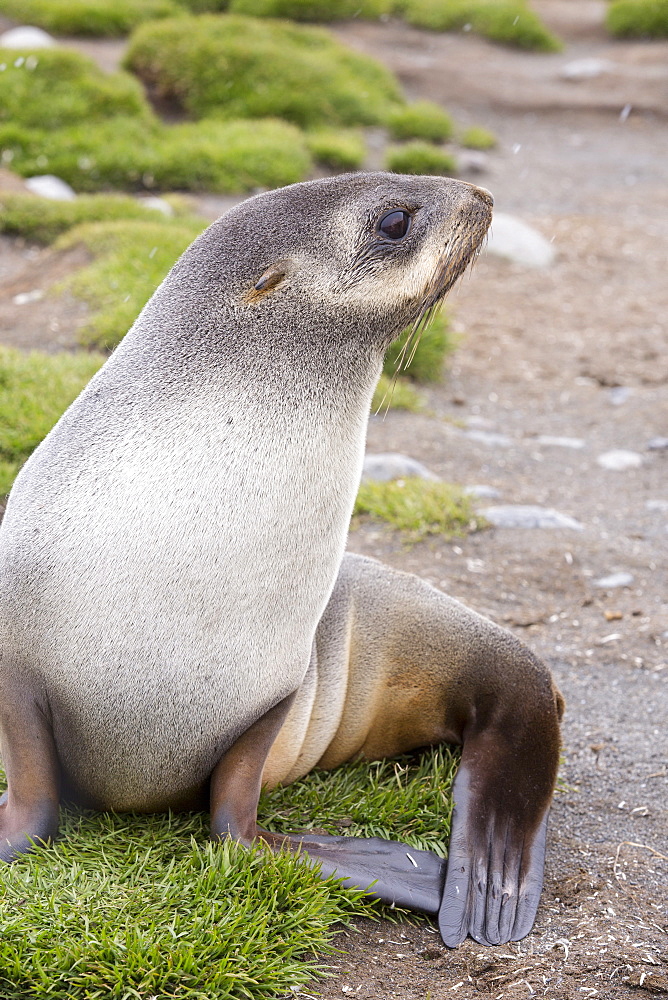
266, 283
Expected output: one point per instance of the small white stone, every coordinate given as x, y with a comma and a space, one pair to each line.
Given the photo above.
660, 505
658, 444
483, 492
528, 516
26, 37
585, 69
386, 466
490, 437
517, 241
157, 204
25, 298
618, 460
619, 394
48, 186
560, 442
614, 580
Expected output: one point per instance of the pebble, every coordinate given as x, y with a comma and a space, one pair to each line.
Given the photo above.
26, 37
49, 186
25, 298
657, 444
560, 442
585, 69
619, 394
618, 460
472, 161
158, 204
516, 241
391, 465
656, 505
528, 516
483, 492
614, 580
489, 437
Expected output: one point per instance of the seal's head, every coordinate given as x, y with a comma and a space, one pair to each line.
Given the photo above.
356, 256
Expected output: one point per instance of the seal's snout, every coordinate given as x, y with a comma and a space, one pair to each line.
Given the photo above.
485, 195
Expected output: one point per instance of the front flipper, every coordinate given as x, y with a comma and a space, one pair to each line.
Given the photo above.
497, 845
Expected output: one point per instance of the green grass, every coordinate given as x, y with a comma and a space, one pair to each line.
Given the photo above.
435, 343
395, 394
87, 17
339, 149
477, 137
313, 10
511, 22
243, 67
419, 158
418, 507
139, 906
638, 18
421, 120
41, 220
130, 260
35, 388
53, 88
128, 154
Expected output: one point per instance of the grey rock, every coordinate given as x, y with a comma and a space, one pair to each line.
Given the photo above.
483, 492
27, 38
48, 186
386, 466
25, 298
517, 241
529, 516
657, 444
619, 459
659, 505
585, 69
619, 394
472, 161
560, 442
489, 437
614, 580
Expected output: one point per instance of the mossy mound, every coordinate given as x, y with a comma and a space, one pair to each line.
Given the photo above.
418, 507
508, 21
421, 120
477, 137
53, 88
128, 154
431, 345
339, 149
243, 67
313, 10
638, 18
87, 17
419, 158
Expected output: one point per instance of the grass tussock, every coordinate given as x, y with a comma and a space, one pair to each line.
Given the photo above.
313, 10
130, 260
418, 507
435, 343
244, 67
510, 22
339, 149
87, 17
138, 906
395, 394
54, 88
419, 158
128, 154
421, 120
35, 389
477, 137
638, 18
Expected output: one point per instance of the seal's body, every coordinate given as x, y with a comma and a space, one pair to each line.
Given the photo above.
168, 550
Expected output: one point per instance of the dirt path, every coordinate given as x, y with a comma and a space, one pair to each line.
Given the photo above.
577, 351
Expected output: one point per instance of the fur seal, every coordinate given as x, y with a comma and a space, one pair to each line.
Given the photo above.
169, 548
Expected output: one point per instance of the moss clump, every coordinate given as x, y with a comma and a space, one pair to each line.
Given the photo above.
508, 21
433, 344
421, 120
124, 153
340, 149
478, 138
419, 507
419, 158
638, 18
243, 67
130, 260
87, 17
54, 88
41, 220
313, 10
35, 388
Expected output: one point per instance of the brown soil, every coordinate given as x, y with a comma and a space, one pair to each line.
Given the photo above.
541, 355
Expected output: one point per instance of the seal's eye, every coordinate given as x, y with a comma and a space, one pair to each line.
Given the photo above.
394, 225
